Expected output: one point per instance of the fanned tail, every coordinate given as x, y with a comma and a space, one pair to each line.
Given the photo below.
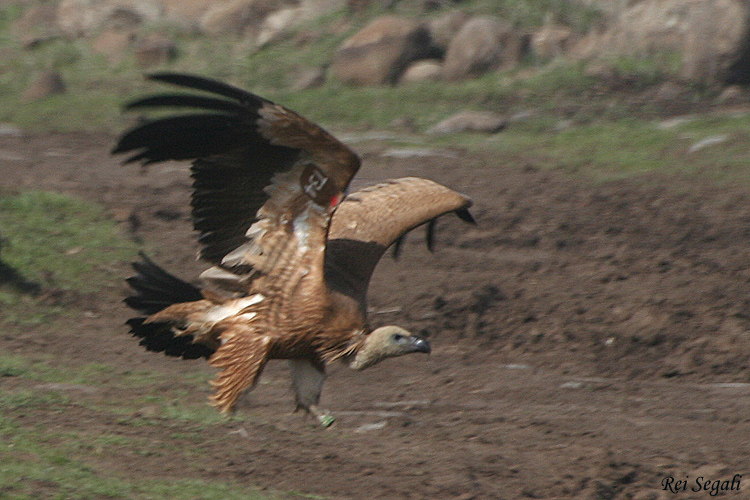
155, 289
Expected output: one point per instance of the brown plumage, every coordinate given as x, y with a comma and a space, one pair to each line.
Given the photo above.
291, 255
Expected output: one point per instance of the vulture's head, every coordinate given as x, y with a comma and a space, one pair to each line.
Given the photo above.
387, 342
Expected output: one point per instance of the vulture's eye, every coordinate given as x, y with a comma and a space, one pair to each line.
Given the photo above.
398, 337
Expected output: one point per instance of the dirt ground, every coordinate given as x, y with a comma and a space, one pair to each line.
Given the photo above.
590, 340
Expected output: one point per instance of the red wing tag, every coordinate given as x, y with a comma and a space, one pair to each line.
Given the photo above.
317, 186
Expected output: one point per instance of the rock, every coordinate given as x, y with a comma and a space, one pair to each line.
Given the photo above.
731, 94
444, 27
238, 16
712, 140
154, 50
711, 36
482, 44
673, 123
86, 17
375, 426
472, 121
61, 386
716, 42
36, 25
9, 130
669, 91
381, 51
308, 78
112, 44
551, 41
277, 25
44, 85
424, 70
185, 13
407, 153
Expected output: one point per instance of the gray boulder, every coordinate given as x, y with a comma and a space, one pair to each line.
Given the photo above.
445, 26
713, 37
154, 50
482, 44
470, 121
87, 17
36, 25
381, 51
424, 70
45, 84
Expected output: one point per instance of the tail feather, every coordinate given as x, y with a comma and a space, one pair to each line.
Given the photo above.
155, 289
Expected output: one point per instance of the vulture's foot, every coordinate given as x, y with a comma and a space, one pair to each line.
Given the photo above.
324, 416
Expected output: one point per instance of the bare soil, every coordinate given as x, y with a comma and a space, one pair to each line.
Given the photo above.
590, 339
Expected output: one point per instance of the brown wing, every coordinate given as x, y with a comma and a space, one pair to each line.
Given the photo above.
367, 222
257, 167
241, 357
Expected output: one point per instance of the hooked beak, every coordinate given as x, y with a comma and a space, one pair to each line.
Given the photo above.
420, 345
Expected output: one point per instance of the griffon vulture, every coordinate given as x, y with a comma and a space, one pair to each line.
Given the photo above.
291, 253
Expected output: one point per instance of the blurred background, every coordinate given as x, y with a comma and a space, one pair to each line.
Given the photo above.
69, 64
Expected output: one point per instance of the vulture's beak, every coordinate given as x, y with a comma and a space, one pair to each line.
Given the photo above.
420, 345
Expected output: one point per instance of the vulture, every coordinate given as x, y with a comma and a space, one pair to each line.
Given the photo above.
290, 252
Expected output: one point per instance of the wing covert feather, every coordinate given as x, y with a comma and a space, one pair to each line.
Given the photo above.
241, 357
368, 221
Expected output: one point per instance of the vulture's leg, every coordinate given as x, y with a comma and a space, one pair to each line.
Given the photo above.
307, 382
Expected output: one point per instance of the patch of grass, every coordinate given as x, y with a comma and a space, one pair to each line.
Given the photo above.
616, 148
604, 149
27, 399
49, 369
42, 461
641, 72
171, 401
12, 366
59, 241
57, 476
17, 308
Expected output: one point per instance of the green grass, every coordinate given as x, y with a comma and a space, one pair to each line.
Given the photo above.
604, 149
97, 87
59, 249
41, 462
74, 460
60, 241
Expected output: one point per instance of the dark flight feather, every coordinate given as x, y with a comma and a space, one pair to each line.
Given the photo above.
186, 101
209, 85
155, 290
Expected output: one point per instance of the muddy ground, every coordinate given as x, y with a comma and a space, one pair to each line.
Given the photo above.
589, 339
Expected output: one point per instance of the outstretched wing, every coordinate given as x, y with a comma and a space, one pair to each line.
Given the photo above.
265, 179
367, 222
